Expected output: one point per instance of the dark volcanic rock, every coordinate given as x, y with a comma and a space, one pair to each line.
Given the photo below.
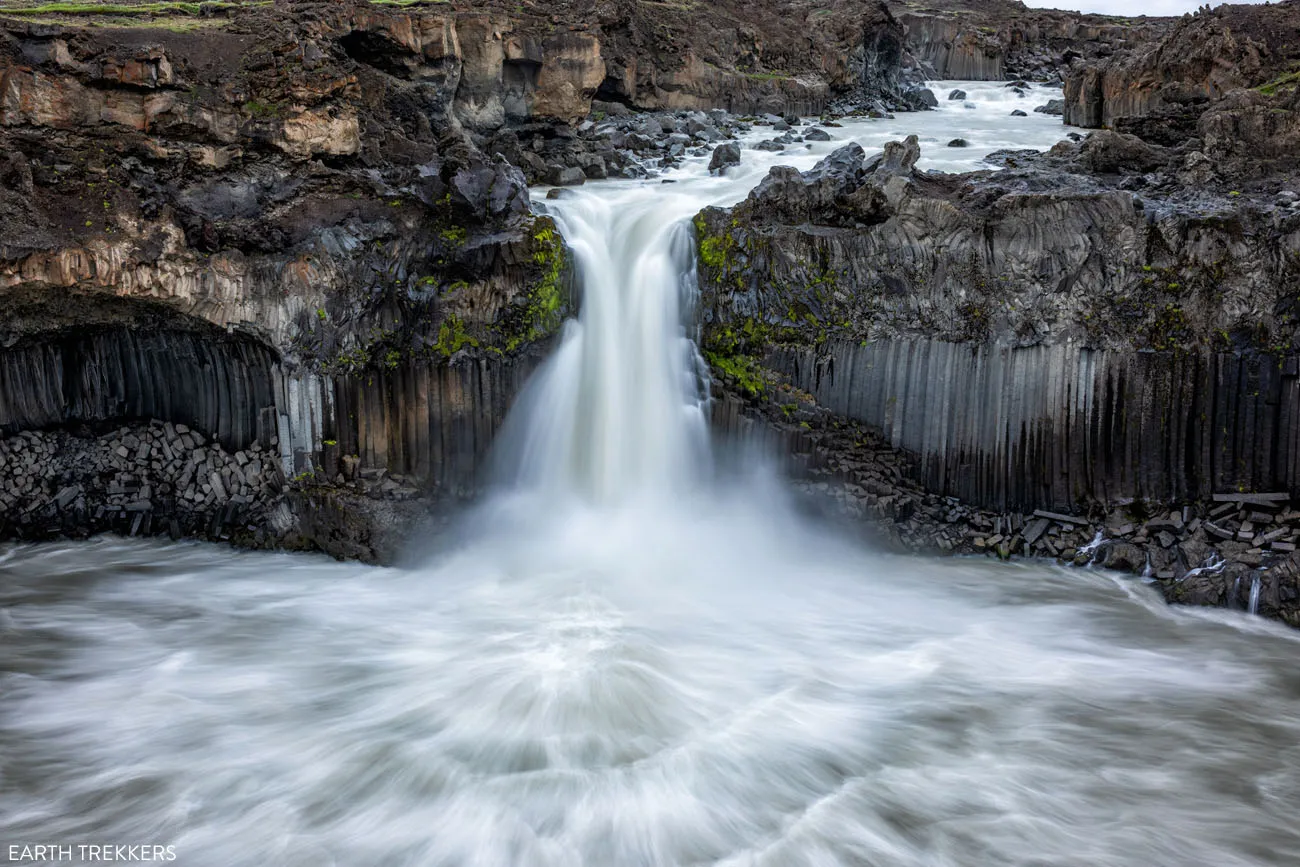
1109, 152
565, 177
921, 98
856, 281
724, 155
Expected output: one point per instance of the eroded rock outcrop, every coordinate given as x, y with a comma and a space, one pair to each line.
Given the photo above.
990, 41
1226, 77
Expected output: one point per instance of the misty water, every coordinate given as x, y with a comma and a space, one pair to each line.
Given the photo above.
625, 656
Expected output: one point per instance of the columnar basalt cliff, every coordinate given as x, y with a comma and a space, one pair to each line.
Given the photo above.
1089, 354
254, 231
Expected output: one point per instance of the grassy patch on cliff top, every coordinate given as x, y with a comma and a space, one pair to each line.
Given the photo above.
405, 3
169, 15
16, 7
1287, 81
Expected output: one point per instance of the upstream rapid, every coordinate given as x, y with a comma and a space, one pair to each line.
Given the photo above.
625, 657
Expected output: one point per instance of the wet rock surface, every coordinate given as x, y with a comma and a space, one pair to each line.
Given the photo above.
158, 478
990, 40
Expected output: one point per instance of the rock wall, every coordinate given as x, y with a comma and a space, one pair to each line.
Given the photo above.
990, 41
432, 423
257, 229
1238, 550
1177, 79
216, 383
1062, 427
1039, 337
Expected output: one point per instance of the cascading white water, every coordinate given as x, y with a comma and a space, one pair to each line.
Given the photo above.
620, 409
590, 677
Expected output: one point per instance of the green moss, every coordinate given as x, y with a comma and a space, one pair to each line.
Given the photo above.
745, 371
1171, 329
1287, 81
715, 250
452, 337
320, 314
456, 236
545, 307
171, 8
260, 109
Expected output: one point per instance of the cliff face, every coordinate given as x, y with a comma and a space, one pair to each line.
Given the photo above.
1104, 331
989, 41
272, 230
1045, 318
1226, 76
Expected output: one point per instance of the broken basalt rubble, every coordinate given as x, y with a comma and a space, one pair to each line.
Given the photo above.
1209, 553
163, 479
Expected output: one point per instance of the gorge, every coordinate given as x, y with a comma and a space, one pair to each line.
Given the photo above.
655, 372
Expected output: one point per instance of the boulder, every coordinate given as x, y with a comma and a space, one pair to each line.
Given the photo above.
957, 95
897, 158
921, 99
724, 155
1054, 107
1111, 152
565, 176
1123, 556
489, 191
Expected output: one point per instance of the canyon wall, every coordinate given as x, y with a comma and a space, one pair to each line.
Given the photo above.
1038, 337
1062, 427
991, 41
1225, 76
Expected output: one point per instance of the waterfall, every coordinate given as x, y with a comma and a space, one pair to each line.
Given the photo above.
620, 410
1252, 606
621, 407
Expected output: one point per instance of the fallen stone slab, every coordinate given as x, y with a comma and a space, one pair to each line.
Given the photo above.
1064, 519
